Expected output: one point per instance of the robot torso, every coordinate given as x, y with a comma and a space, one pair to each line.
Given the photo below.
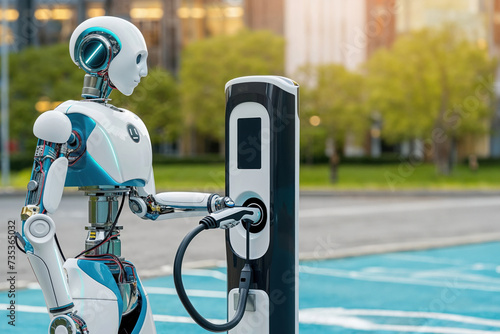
113, 147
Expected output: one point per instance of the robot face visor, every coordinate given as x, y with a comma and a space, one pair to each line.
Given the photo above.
95, 51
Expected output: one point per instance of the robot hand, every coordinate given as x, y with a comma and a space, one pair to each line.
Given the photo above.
176, 204
230, 217
220, 203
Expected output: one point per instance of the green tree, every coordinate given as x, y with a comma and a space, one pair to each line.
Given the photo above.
433, 85
156, 101
39, 73
208, 64
47, 73
336, 96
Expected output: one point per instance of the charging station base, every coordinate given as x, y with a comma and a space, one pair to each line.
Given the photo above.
256, 318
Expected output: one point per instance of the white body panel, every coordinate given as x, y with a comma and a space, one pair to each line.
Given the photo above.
248, 183
111, 144
39, 229
183, 200
95, 303
150, 187
148, 327
52, 126
253, 321
54, 184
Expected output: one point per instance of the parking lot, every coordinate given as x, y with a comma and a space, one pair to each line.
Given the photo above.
448, 290
393, 264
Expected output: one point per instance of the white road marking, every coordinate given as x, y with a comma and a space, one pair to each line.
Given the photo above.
25, 308
205, 273
33, 286
190, 292
346, 318
172, 318
402, 314
363, 276
453, 275
435, 260
181, 319
461, 203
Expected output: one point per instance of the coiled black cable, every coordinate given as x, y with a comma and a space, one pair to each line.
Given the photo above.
244, 287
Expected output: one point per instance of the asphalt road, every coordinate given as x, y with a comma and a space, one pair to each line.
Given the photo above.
331, 225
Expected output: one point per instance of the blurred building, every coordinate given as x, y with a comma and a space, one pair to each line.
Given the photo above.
316, 31
167, 25
342, 32
265, 15
467, 14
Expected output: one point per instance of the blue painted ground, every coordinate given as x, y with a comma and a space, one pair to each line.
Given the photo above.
449, 290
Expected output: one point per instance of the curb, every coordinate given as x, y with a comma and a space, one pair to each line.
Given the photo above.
399, 193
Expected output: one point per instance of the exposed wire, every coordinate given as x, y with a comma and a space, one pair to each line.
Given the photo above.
110, 232
59, 247
18, 246
109, 258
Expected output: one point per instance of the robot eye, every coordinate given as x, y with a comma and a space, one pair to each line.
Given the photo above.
95, 54
139, 59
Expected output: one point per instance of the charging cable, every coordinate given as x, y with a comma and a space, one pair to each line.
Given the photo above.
224, 219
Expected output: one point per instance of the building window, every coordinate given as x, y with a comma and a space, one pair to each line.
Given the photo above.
204, 18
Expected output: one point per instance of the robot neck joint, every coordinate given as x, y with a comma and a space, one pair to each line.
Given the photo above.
96, 87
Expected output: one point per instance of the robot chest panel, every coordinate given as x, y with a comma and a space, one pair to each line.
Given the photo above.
115, 146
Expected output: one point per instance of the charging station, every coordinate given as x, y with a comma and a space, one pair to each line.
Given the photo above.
262, 170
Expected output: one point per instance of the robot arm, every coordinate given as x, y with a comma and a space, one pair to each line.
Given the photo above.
46, 185
176, 204
147, 204
45, 189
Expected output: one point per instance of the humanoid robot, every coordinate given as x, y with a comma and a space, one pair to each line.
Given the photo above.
106, 152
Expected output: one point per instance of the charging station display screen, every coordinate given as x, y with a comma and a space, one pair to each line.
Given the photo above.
249, 143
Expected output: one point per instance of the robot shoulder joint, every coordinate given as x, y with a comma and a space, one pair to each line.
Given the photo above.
52, 126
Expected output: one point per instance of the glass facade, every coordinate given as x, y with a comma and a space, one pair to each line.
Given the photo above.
165, 29
204, 18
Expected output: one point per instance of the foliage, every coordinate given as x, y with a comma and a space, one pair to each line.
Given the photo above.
433, 85
39, 73
209, 177
208, 64
155, 100
336, 95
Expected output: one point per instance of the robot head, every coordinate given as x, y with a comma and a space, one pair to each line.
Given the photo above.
111, 47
